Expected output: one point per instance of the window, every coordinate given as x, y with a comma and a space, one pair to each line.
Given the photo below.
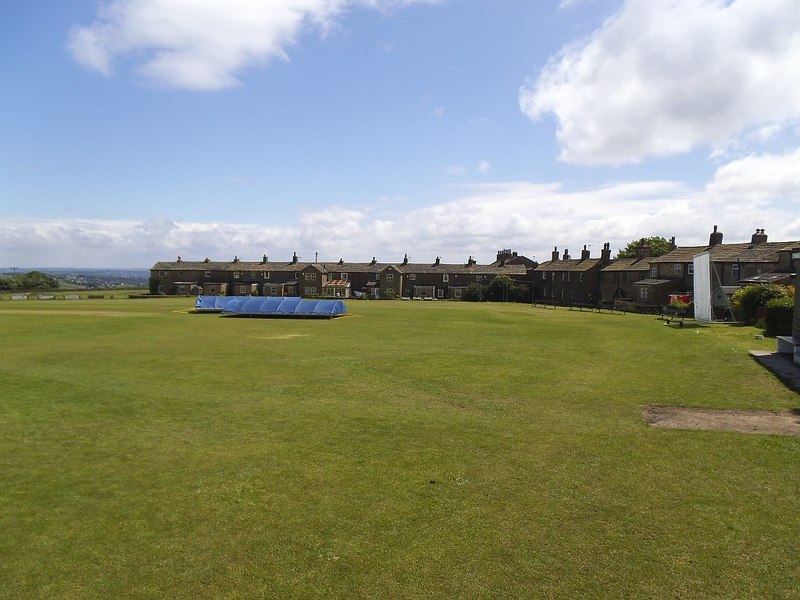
208, 273
311, 291
735, 271
478, 277
265, 274
553, 276
654, 271
236, 274
311, 276
690, 269
440, 293
390, 277
567, 276
274, 290
412, 276
580, 277
677, 269
445, 277
163, 273
344, 276
563, 276
457, 293
643, 293
544, 275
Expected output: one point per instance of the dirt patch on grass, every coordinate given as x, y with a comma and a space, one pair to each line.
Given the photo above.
774, 422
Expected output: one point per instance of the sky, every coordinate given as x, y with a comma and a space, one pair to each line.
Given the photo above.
133, 131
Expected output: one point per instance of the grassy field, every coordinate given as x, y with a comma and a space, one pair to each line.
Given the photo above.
409, 450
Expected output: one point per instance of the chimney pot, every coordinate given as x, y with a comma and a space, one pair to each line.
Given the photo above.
715, 238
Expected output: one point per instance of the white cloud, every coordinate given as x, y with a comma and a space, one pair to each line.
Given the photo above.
484, 166
201, 44
661, 78
759, 191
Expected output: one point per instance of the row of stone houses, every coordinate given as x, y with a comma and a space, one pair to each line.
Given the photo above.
642, 280
337, 280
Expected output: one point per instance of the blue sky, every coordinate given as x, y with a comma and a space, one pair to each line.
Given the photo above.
133, 131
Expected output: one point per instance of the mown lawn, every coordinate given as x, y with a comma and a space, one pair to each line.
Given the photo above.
409, 450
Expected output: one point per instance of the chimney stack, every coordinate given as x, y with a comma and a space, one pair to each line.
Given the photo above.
643, 251
294, 257
584, 253
405, 259
566, 254
373, 261
605, 253
715, 238
555, 254
437, 262
759, 237
672, 244
264, 260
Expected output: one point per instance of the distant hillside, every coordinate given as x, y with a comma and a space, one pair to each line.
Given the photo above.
77, 278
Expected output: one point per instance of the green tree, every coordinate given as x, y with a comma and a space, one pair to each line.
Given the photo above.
34, 280
501, 289
658, 246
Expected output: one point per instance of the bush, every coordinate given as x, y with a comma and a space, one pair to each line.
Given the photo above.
779, 316
747, 300
474, 292
678, 305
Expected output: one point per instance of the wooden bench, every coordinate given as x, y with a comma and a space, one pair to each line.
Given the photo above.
670, 315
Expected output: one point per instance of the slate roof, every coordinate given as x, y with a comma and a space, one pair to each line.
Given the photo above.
628, 264
652, 281
187, 265
461, 269
572, 265
683, 254
365, 267
766, 252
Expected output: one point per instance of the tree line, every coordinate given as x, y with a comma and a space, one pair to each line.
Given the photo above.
33, 280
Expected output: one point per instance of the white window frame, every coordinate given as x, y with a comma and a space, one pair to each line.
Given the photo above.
654, 271
439, 293
390, 277
677, 269
690, 269
445, 277
208, 274
457, 293
237, 274
735, 271
310, 291
344, 276
312, 276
